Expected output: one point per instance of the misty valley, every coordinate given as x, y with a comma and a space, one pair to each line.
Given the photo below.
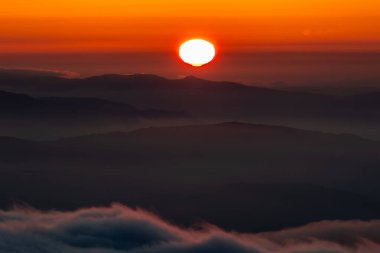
186, 149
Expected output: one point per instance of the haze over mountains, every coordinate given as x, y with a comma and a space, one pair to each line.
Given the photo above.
23, 106
179, 171
188, 148
213, 101
51, 117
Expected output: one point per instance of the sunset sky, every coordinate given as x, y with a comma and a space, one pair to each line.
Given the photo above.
189, 126
158, 26
257, 42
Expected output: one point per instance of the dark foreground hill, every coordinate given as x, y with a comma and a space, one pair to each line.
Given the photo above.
275, 176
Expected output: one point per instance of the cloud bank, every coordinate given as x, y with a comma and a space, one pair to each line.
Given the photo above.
121, 229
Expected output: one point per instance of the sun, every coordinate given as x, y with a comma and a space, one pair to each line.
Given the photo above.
197, 52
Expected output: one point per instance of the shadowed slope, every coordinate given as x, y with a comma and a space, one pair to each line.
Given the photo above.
188, 173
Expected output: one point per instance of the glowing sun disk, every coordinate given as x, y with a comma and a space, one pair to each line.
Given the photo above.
197, 52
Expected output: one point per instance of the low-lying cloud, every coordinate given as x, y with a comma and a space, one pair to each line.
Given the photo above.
36, 72
122, 229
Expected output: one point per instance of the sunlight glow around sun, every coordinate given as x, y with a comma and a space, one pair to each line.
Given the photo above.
197, 52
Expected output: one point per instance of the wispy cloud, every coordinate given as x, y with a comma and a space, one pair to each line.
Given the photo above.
122, 229
36, 72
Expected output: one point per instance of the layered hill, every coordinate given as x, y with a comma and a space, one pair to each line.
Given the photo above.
201, 169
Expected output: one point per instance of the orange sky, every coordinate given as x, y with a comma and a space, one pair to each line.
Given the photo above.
160, 25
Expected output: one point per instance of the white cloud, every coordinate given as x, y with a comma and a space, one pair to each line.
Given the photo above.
121, 229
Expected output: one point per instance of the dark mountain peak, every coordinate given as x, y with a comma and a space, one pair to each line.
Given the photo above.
10, 98
225, 129
12, 139
193, 78
115, 135
146, 76
86, 101
133, 77
24, 107
7, 143
198, 79
237, 124
4, 94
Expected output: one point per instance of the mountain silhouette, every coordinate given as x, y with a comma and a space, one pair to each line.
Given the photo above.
202, 154
152, 142
274, 176
200, 98
19, 105
25, 116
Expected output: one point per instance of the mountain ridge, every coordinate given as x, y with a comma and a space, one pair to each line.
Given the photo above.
13, 104
232, 124
208, 100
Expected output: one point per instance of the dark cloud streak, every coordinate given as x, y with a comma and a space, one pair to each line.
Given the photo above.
36, 72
